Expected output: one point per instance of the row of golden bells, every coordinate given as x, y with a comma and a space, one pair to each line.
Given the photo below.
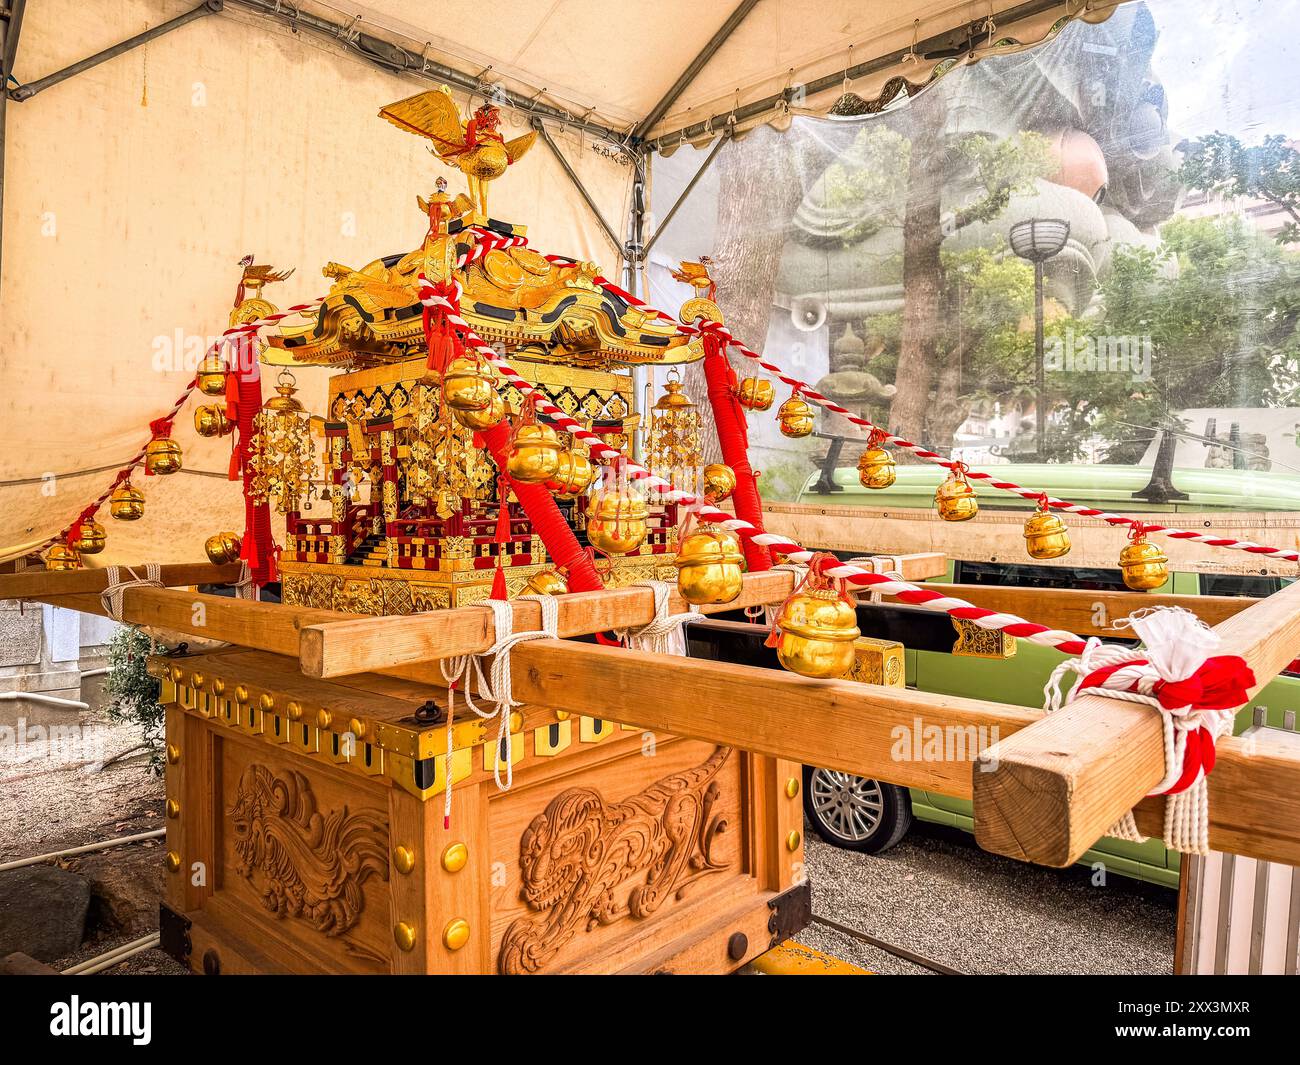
795, 418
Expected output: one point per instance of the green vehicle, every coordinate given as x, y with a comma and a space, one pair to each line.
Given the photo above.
870, 815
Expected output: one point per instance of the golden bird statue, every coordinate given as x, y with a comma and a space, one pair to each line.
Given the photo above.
475, 146
698, 277
256, 276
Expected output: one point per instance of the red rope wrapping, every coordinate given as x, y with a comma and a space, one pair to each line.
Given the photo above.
258, 545
1223, 682
546, 519
729, 420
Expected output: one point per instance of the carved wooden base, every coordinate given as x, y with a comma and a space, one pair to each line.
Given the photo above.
293, 848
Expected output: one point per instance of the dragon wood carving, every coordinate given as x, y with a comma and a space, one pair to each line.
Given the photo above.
575, 854
311, 866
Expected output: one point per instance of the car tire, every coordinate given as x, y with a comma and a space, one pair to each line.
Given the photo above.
855, 813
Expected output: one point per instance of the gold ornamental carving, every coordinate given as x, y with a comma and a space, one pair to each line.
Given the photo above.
580, 849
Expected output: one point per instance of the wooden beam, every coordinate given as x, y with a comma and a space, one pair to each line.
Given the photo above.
37, 583
1089, 613
914, 739
1050, 792
264, 626
367, 644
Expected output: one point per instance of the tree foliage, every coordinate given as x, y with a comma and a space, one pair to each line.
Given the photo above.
1269, 171
132, 692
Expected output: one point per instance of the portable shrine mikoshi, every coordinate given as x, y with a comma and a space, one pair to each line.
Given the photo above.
409, 765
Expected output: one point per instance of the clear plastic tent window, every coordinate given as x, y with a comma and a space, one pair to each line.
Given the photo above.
1147, 164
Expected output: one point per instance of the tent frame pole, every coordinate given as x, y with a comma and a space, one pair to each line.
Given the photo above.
577, 184
30, 89
713, 154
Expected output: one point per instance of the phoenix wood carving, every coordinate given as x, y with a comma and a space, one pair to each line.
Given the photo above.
575, 855
311, 865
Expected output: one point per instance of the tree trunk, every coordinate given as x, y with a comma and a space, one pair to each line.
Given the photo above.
923, 285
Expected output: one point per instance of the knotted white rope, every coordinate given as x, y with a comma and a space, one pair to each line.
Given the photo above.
800, 572
111, 596
887, 565
1175, 645
464, 673
244, 587
666, 634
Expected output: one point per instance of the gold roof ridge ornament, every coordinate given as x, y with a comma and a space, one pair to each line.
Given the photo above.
474, 146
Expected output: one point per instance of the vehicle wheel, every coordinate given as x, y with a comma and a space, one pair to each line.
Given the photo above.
856, 813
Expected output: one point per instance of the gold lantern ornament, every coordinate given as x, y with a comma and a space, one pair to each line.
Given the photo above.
795, 417
816, 627
573, 475
534, 451
616, 521
548, 582
709, 566
482, 418
223, 547
126, 502
754, 393
955, 498
719, 482
1143, 565
673, 439
90, 538
212, 375
876, 468
61, 557
1045, 533
162, 455
468, 385
282, 457
210, 420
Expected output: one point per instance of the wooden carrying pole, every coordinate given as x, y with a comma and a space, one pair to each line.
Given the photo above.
1049, 792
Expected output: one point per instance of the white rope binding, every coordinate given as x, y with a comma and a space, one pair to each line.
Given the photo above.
464, 673
666, 634
1175, 645
111, 596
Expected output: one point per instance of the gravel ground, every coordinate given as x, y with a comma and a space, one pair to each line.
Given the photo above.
938, 895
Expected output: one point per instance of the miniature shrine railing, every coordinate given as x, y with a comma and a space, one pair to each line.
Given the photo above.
1045, 791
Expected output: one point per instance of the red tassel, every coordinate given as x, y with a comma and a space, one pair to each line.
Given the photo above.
499, 583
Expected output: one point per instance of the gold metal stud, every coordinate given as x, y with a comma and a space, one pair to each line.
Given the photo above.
323, 718
173, 753
173, 862
357, 727
792, 787
241, 694
177, 674
295, 711
561, 715
404, 935
218, 686
173, 808
267, 701
456, 934
454, 857
196, 681
403, 859
792, 841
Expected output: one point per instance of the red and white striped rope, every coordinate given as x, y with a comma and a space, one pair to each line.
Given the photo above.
235, 333
808, 392
1062, 640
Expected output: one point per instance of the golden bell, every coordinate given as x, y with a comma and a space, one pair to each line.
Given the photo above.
223, 547
719, 481
548, 582
817, 632
90, 539
212, 375
876, 468
956, 499
126, 503
210, 420
1143, 565
534, 454
709, 566
1046, 535
162, 455
574, 474
62, 557
795, 418
754, 393
616, 522
466, 385
484, 418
